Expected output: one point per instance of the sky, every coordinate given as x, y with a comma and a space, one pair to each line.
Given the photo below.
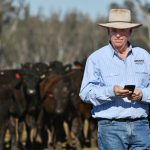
94, 8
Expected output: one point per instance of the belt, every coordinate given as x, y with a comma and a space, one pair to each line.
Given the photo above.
122, 119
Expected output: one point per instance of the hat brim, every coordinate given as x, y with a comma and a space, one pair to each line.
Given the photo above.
120, 25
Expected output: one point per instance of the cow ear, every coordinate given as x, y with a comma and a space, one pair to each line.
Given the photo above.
77, 64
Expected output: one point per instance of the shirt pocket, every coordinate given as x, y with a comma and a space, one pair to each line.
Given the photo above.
142, 78
111, 79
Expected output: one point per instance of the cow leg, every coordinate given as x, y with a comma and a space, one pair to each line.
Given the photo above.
38, 138
76, 133
66, 129
2, 135
33, 133
50, 136
67, 134
85, 132
7, 138
14, 133
23, 135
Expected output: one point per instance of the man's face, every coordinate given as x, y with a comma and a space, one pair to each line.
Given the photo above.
119, 37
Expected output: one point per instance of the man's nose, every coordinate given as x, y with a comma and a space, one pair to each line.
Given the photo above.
118, 34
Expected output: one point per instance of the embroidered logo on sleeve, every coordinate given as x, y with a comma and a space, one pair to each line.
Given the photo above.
139, 61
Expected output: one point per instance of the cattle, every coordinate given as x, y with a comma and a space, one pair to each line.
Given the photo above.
66, 107
10, 80
21, 86
58, 67
82, 111
32, 75
54, 91
40, 69
51, 113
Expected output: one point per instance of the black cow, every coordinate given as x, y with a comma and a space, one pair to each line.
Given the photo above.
10, 80
59, 67
22, 86
32, 75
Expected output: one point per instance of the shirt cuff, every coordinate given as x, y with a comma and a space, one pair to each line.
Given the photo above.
110, 92
144, 97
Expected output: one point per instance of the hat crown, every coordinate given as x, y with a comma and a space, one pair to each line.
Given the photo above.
120, 19
119, 15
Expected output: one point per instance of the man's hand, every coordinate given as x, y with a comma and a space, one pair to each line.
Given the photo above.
136, 96
121, 92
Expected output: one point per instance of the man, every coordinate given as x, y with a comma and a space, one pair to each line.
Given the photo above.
121, 113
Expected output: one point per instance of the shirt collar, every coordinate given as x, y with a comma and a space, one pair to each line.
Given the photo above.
114, 53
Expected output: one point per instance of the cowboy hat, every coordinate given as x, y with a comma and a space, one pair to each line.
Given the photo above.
120, 19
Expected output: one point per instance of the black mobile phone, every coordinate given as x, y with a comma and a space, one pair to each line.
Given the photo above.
130, 87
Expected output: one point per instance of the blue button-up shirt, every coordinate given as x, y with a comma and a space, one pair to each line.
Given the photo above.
104, 69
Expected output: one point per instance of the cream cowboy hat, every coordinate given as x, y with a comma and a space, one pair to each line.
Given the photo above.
120, 19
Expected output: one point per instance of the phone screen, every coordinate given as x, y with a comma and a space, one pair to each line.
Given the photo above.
130, 87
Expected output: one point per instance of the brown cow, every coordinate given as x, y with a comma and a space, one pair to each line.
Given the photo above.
82, 111
54, 91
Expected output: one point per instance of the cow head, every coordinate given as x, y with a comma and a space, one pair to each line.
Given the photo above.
54, 93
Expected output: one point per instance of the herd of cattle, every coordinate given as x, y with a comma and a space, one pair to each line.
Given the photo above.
40, 108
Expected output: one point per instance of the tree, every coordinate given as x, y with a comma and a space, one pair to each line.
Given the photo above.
143, 13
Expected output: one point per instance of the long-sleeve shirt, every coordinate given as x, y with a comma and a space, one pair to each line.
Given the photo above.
104, 69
